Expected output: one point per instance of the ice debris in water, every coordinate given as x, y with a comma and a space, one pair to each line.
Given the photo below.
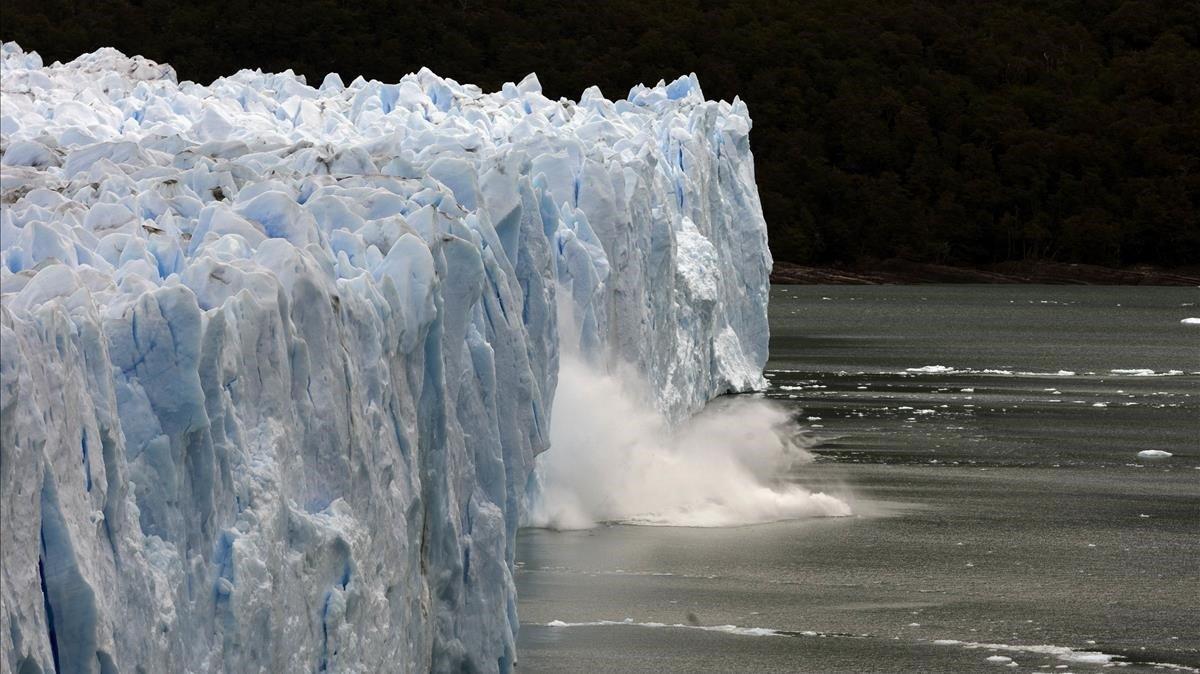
931, 369
1060, 652
1154, 454
726, 629
277, 359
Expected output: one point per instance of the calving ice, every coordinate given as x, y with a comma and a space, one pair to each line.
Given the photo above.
277, 359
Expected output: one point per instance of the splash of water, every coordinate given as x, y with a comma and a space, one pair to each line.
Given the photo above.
615, 459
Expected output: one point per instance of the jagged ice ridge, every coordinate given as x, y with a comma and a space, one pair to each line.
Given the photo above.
277, 359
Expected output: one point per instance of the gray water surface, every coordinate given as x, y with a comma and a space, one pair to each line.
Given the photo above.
987, 438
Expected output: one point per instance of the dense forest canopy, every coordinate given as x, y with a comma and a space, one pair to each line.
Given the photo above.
952, 131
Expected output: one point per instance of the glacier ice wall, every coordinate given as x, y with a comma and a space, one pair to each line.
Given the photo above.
277, 359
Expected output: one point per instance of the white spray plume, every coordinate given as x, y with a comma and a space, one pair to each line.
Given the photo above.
615, 459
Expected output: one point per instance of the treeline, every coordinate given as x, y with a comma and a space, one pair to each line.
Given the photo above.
956, 131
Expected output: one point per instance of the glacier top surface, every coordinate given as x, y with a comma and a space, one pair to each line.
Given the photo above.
105, 152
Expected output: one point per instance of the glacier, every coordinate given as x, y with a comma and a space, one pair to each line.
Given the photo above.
277, 359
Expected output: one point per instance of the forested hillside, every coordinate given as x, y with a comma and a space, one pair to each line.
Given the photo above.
959, 132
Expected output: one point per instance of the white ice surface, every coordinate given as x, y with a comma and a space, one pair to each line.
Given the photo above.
277, 359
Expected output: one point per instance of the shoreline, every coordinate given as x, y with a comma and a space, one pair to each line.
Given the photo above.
1041, 272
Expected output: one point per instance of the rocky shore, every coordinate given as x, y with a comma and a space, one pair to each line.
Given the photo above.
1058, 273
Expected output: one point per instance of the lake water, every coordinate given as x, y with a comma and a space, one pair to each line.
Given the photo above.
987, 438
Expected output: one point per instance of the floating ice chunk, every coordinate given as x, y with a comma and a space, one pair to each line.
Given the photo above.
1146, 372
1060, 652
1190, 321
725, 629
931, 369
1154, 454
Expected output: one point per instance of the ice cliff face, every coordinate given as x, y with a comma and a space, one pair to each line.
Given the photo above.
277, 359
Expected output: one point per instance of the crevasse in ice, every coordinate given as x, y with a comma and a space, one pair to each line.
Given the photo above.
277, 359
